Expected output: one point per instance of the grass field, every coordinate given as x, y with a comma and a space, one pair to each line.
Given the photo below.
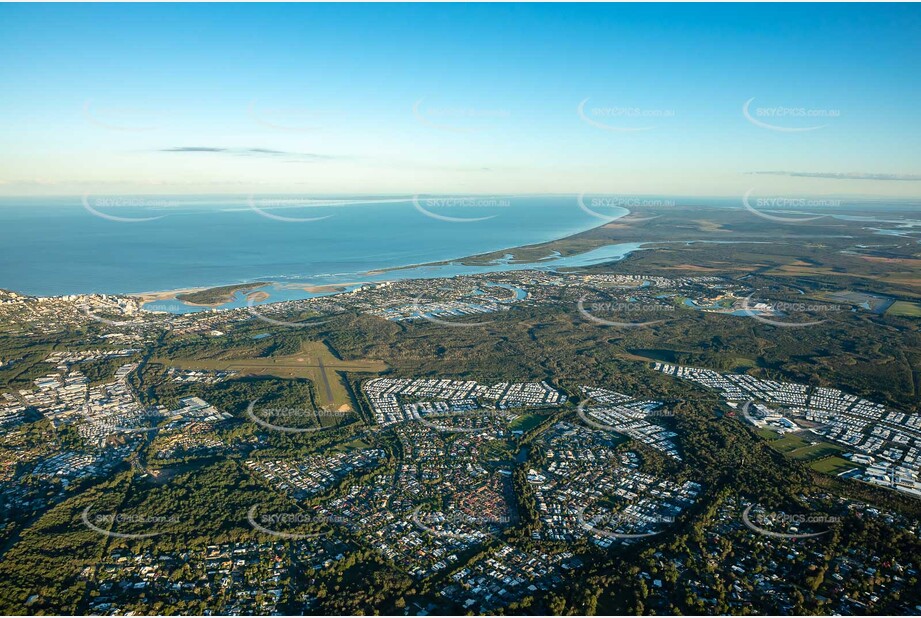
832, 465
314, 362
789, 443
815, 451
768, 434
905, 309
821, 457
353, 445
527, 422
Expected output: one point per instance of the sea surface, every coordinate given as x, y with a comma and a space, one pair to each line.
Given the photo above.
86, 244
127, 245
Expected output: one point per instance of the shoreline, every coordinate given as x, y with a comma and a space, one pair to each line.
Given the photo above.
321, 288
473, 260
335, 288
167, 295
467, 259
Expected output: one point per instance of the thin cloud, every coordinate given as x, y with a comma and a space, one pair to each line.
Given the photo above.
194, 149
252, 152
845, 175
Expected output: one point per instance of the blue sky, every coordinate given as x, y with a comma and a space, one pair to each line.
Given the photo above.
348, 99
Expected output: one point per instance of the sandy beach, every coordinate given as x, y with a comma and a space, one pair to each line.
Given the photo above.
322, 289
147, 297
256, 296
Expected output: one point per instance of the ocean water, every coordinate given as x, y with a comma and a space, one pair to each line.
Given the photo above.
52, 246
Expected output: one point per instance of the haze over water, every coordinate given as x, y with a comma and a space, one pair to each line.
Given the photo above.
53, 246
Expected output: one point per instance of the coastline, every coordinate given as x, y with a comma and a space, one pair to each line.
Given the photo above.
573, 244
486, 257
516, 255
478, 259
146, 297
323, 288
256, 291
287, 254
